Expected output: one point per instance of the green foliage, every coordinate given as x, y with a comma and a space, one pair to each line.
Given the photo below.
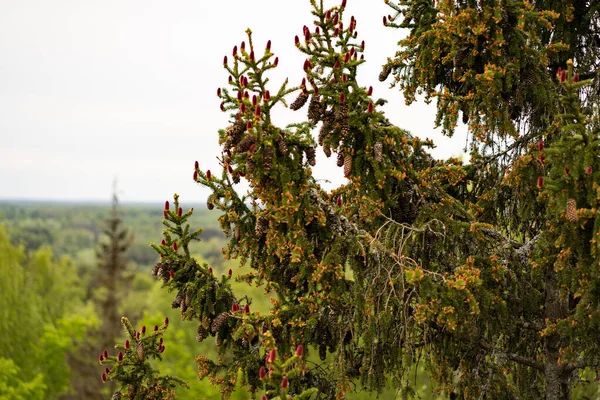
13, 387
38, 296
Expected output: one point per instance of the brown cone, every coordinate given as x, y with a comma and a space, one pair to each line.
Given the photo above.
219, 321
299, 102
140, 350
311, 156
261, 225
315, 109
377, 151
244, 144
385, 73
268, 159
201, 333
571, 213
347, 165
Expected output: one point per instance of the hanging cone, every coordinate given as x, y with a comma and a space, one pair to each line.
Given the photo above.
311, 156
571, 212
261, 225
347, 165
219, 321
385, 73
299, 102
340, 159
378, 151
267, 159
140, 350
327, 150
187, 300
201, 333
282, 146
235, 131
178, 300
244, 144
236, 232
250, 166
315, 109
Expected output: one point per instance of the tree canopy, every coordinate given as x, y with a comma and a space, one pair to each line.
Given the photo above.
484, 272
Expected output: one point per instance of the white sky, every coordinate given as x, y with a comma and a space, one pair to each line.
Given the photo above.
91, 90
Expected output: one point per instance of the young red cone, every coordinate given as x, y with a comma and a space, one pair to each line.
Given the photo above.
127, 344
269, 45
229, 273
541, 145
299, 350
144, 330
540, 182
167, 206
179, 212
208, 175
284, 382
262, 372
589, 170
120, 356
103, 377
175, 246
166, 321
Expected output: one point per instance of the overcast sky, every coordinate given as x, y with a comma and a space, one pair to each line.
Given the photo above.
92, 90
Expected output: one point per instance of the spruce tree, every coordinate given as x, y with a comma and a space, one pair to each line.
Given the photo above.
487, 272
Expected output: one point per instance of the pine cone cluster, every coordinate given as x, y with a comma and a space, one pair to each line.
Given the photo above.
219, 321
311, 156
261, 225
299, 102
571, 213
234, 133
162, 271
